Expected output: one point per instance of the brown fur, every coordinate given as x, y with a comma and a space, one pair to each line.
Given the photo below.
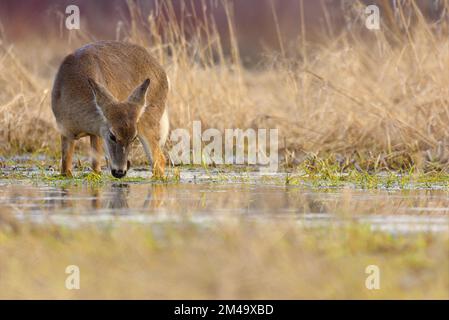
117, 71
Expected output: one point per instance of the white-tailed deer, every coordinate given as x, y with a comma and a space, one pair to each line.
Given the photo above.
115, 92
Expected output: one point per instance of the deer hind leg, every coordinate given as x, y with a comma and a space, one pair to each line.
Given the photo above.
150, 141
67, 149
95, 144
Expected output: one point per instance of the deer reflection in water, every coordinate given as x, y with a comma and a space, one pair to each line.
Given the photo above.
114, 196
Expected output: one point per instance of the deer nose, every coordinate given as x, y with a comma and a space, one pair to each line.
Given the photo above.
118, 173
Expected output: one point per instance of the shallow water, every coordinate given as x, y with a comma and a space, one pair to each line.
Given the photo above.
205, 197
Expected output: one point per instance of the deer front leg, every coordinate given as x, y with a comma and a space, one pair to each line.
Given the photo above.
150, 142
95, 144
159, 162
67, 149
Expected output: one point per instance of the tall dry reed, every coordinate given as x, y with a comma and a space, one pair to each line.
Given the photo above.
376, 98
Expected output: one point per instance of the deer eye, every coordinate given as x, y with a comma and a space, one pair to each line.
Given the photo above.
112, 137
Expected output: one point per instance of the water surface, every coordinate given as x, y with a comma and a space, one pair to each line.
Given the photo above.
209, 196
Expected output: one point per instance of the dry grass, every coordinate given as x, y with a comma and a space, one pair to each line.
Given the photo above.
378, 98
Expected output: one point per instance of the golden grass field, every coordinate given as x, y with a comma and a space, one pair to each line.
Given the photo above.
362, 101
378, 99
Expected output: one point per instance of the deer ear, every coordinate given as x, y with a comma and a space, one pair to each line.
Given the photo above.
101, 95
138, 95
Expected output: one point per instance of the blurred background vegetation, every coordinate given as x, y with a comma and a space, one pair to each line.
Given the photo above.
361, 98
